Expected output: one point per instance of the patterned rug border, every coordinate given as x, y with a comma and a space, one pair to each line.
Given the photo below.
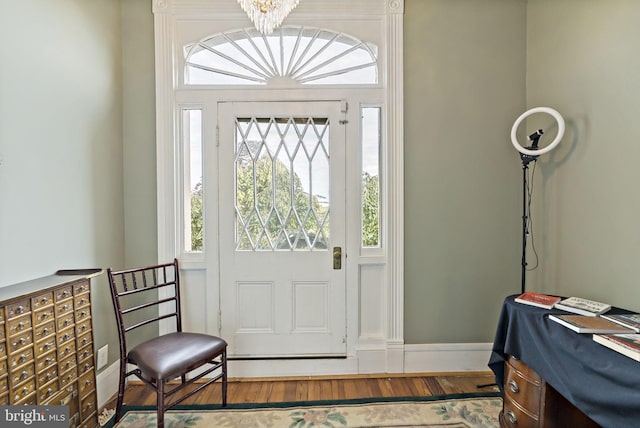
289, 404
286, 404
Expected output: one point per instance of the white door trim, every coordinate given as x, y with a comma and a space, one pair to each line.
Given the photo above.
389, 337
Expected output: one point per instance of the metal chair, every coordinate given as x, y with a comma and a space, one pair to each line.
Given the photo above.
142, 299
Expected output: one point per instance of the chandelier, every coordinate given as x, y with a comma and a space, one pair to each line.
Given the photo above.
267, 14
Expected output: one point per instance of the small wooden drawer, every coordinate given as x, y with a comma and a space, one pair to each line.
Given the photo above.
67, 350
83, 314
4, 369
21, 395
47, 375
18, 308
2, 334
4, 399
91, 422
4, 385
67, 364
81, 287
87, 405
44, 315
46, 345
66, 336
68, 378
63, 293
85, 365
83, 326
45, 361
19, 341
514, 417
42, 331
65, 320
46, 392
523, 390
85, 339
81, 301
84, 354
86, 383
22, 357
23, 374
64, 307
19, 324
41, 301
3, 349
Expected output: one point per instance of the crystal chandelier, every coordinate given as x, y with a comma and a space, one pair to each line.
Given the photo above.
267, 14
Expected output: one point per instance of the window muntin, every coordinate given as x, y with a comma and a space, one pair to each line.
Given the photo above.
192, 178
370, 173
300, 55
282, 199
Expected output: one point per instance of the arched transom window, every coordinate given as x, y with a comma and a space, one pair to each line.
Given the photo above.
291, 54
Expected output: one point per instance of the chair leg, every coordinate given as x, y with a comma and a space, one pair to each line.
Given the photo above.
224, 378
160, 414
121, 386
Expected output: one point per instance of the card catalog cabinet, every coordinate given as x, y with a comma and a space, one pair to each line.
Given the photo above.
46, 346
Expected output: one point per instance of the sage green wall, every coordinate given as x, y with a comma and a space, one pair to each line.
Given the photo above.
582, 58
464, 87
61, 178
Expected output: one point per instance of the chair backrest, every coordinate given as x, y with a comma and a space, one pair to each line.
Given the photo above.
143, 297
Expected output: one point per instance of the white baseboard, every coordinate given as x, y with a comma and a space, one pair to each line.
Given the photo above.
422, 358
447, 357
107, 383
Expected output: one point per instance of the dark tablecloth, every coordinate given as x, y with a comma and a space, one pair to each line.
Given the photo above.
600, 382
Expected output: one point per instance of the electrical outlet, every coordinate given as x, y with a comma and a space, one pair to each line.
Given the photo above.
103, 356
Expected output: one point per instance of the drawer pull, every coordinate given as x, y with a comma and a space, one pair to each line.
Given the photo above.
20, 325
513, 386
512, 417
19, 309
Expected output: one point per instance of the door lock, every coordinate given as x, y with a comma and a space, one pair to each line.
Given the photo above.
337, 257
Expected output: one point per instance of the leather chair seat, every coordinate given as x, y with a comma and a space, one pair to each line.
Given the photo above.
164, 357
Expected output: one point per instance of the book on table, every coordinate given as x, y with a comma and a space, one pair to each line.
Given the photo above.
631, 320
589, 324
537, 299
580, 306
625, 344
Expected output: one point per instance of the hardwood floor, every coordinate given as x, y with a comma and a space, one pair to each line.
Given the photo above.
271, 390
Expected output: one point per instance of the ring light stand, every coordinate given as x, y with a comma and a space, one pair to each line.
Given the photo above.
527, 155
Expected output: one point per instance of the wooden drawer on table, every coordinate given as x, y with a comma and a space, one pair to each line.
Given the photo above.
3, 350
4, 367
85, 339
4, 399
44, 315
48, 375
64, 308
83, 326
67, 350
513, 416
81, 288
524, 369
523, 390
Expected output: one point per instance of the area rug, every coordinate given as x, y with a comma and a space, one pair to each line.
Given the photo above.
462, 411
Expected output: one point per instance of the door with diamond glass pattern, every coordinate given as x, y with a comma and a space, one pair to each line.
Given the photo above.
282, 228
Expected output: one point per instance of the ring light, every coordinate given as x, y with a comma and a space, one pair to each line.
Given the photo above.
519, 147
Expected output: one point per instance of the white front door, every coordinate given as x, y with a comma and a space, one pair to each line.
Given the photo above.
282, 228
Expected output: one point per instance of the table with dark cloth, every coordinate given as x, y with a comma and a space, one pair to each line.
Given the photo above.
602, 383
